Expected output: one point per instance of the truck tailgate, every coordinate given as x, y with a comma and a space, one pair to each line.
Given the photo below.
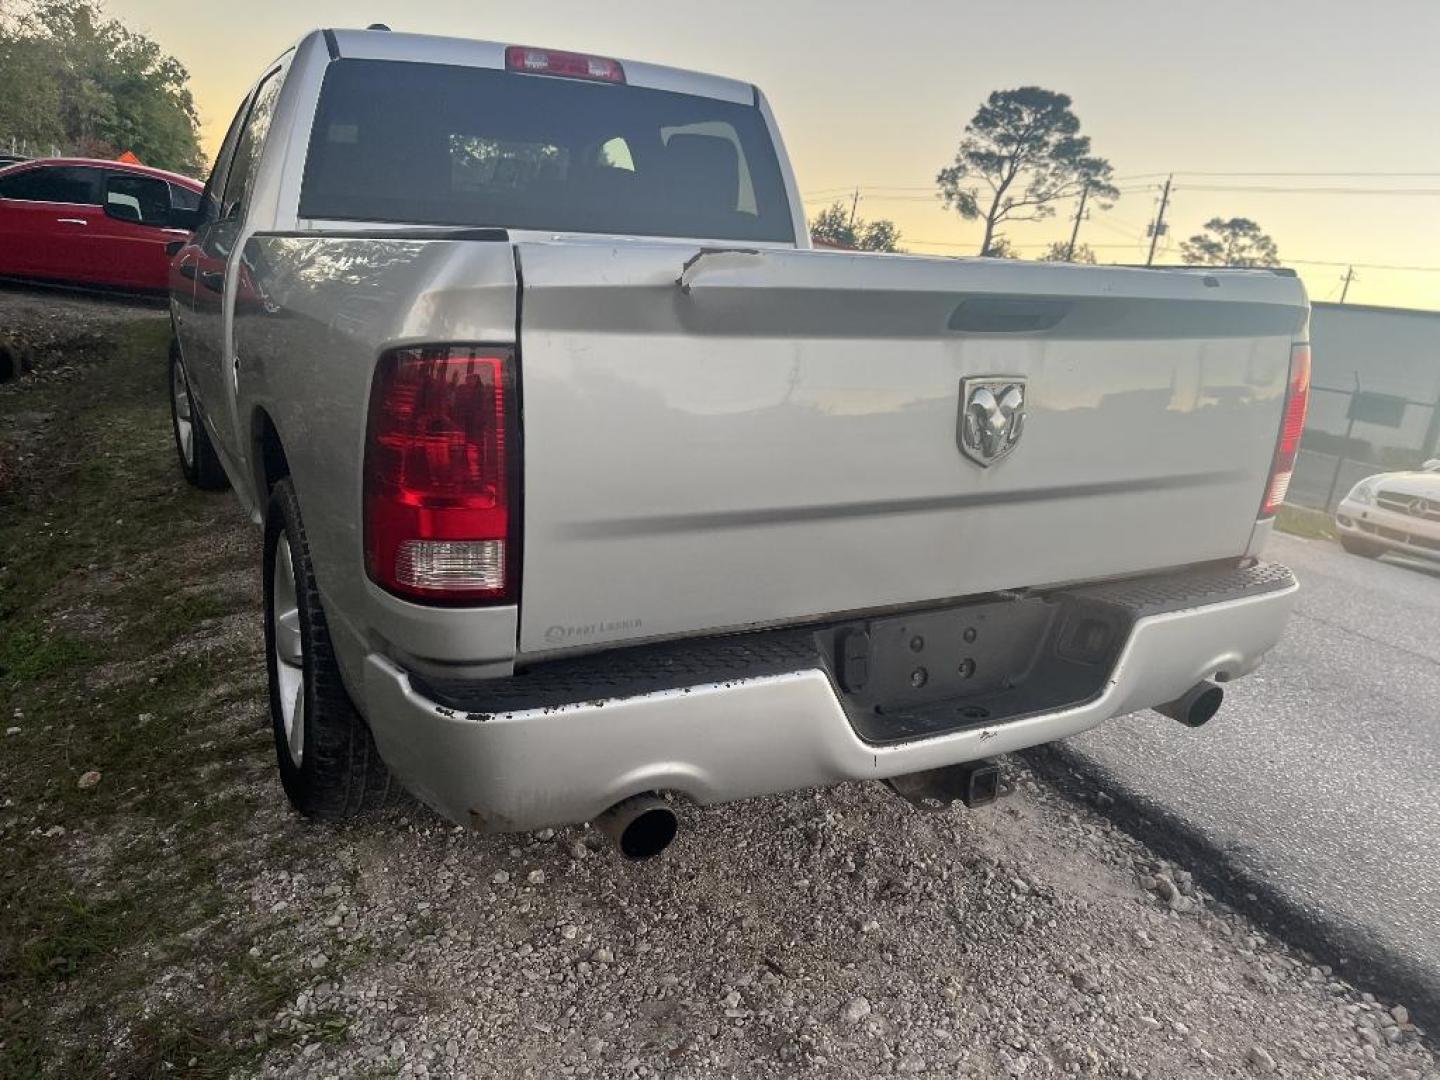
772, 436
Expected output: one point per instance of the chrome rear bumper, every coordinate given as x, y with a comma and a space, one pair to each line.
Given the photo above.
731, 739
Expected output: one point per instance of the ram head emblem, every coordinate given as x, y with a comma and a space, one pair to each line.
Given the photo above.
992, 417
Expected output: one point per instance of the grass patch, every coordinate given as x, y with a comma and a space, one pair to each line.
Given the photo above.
28, 652
107, 889
1300, 521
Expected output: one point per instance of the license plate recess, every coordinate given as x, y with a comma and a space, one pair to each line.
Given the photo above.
974, 664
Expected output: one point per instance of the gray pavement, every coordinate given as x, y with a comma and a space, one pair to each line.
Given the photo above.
1319, 781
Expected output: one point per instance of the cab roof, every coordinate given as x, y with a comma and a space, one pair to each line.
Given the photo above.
466, 52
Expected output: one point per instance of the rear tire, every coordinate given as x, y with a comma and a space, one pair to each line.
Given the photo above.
1366, 548
329, 766
199, 463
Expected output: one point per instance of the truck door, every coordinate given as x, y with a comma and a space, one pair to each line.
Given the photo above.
47, 213
210, 359
129, 238
191, 326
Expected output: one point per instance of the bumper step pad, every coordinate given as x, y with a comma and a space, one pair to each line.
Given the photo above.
1052, 658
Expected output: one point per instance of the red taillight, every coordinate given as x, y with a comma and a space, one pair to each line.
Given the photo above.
1297, 401
438, 521
567, 64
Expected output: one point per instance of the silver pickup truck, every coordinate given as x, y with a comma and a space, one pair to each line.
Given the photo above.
585, 482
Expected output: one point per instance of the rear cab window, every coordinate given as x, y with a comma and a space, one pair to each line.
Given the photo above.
433, 144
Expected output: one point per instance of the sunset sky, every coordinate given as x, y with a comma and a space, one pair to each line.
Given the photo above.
875, 95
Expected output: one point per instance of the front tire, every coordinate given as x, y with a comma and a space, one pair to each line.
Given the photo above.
1366, 548
329, 766
199, 463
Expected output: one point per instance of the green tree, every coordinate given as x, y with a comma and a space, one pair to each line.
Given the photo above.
29, 91
833, 226
1230, 242
1060, 251
1020, 154
73, 78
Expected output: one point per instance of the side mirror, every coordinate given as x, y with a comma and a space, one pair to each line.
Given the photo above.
124, 211
189, 220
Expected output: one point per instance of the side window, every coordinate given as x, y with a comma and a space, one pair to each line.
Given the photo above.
55, 183
210, 198
247, 151
144, 200
183, 198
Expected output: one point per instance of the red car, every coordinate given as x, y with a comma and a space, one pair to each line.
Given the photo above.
83, 222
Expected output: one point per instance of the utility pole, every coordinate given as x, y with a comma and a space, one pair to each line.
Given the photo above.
1079, 216
1349, 277
854, 206
1159, 225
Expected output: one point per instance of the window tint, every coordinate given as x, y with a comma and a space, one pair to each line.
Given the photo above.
146, 197
183, 198
480, 164
433, 144
54, 183
210, 198
247, 151
720, 131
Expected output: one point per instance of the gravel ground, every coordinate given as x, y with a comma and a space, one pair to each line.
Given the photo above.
831, 933
50, 333
171, 917
43, 318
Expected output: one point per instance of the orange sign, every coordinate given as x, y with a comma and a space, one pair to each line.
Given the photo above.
128, 158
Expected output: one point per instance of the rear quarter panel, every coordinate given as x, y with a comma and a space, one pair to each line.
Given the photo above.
315, 317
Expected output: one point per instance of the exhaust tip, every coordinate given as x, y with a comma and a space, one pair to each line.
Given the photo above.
640, 827
1196, 707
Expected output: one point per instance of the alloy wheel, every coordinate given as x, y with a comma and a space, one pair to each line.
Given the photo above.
184, 415
289, 650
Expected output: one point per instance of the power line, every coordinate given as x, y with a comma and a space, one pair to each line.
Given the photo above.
1260, 189
1367, 266
1278, 174
866, 187
970, 244
1377, 174
1158, 224
869, 194
1137, 235
1347, 190
1285, 262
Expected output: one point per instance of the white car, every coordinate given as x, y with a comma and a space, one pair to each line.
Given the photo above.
1395, 512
